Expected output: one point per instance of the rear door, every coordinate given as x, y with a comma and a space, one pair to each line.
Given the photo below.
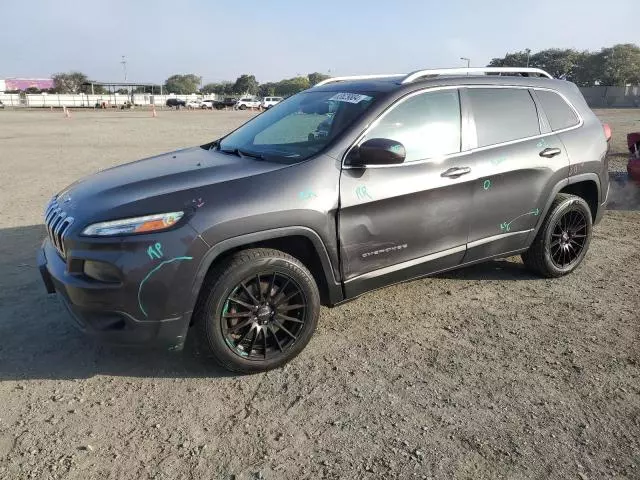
403, 221
515, 159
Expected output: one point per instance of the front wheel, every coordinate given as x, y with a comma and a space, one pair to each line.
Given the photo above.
258, 311
563, 239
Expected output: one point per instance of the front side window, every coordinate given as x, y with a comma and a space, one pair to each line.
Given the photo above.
427, 124
503, 114
559, 114
299, 127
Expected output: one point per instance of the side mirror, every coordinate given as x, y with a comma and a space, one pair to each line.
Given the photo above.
377, 151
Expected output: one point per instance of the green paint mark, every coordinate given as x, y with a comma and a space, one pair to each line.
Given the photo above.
362, 194
498, 161
306, 195
487, 184
177, 259
155, 251
506, 226
542, 143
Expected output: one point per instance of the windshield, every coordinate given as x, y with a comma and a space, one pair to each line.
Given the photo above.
298, 127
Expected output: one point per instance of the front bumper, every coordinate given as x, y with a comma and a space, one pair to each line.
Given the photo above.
92, 311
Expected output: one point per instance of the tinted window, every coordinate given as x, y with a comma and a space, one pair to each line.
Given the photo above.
503, 114
560, 114
428, 125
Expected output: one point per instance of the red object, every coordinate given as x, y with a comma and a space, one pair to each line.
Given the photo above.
633, 167
607, 131
633, 141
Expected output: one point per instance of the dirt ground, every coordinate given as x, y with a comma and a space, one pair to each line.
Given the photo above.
487, 372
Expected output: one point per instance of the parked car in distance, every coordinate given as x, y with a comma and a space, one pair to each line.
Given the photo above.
194, 104
1, 104
224, 103
247, 102
238, 242
268, 102
175, 102
209, 103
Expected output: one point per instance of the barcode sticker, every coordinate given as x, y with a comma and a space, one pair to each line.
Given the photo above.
350, 97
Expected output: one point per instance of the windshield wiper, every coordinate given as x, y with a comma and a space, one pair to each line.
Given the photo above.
255, 155
240, 153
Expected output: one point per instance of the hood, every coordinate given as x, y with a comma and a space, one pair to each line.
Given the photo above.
155, 183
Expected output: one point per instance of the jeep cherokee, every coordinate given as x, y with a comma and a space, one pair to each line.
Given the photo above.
239, 241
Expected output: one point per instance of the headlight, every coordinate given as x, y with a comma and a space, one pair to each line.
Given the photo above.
148, 223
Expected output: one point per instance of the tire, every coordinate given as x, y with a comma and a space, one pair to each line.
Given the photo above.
242, 107
563, 239
244, 338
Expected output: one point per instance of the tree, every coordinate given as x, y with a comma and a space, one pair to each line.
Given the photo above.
316, 77
515, 59
70, 82
291, 86
122, 91
246, 84
32, 90
218, 88
267, 89
182, 84
620, 65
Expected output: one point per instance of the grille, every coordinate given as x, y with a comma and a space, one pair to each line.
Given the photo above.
57, 223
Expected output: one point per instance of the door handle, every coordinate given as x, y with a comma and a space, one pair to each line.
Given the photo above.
550, 152
455, 172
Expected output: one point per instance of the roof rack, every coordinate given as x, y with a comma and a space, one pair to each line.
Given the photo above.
413, 76
474, 70
358, 77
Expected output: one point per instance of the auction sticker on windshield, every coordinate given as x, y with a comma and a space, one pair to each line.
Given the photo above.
350, 97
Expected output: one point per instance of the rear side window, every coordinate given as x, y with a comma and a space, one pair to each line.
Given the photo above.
503, 114
559, 113
428, 125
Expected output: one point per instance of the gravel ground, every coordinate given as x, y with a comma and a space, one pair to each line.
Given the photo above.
486, 372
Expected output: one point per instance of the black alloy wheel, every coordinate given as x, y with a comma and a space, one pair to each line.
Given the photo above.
263, 316
257, 310
568, 238
563, 238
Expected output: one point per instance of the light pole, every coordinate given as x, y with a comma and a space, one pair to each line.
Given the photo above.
465, 59
528, 50
124, 67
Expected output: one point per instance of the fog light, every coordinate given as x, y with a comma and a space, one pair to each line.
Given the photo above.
101, 271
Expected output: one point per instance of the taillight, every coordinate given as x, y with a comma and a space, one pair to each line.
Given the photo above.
607, 131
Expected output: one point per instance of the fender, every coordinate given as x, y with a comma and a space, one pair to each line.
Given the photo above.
556, 189
335, 292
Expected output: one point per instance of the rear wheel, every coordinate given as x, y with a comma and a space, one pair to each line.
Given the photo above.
242, 107
259, 311
563, 240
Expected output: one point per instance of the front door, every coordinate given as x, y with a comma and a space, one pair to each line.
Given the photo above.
404, 221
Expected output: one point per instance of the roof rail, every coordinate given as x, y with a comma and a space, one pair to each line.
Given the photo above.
358, 77
474, 70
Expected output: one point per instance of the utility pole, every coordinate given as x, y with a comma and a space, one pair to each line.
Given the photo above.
528, 50
465, 59
124, 67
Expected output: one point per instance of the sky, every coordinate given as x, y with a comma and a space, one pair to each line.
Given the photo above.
275, 39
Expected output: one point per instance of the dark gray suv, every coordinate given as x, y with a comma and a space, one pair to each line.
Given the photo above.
352, 185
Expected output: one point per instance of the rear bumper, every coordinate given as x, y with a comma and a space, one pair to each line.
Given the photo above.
603, 206
96, 317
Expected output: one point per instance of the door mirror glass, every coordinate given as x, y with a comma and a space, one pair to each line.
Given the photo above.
377, 151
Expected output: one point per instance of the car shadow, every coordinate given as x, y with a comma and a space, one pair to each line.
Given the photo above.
39, 341
499, 269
